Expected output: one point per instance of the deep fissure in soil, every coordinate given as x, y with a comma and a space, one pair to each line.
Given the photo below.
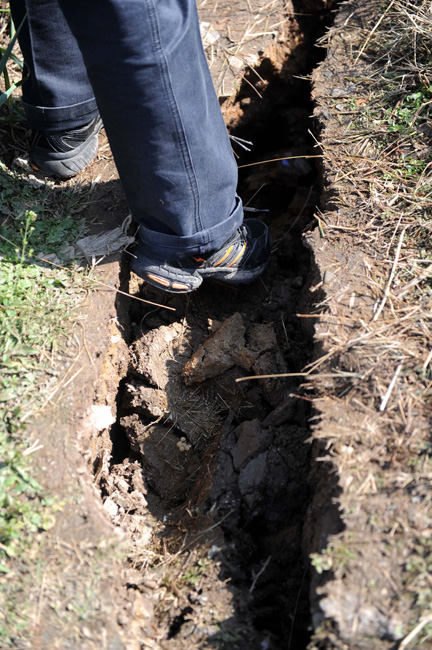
215, 471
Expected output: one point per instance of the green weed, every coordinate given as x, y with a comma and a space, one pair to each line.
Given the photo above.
333, 557
35, 302
24, 510
412, 108
36, 310
417, 573
196, 572
7, 55
50, 212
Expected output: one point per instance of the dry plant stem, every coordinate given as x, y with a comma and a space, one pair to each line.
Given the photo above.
322, 375
40, 599
86, 346
386, 397
107, 286
427, 362
407, 640
374, 30
296, 219
422, 276
49, 398
295, 610
62, 384
390, 280
33, 448
260, 572
186, 547
263, 162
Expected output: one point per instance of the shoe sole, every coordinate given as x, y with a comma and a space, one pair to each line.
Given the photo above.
164, 278
64, 165
184, 282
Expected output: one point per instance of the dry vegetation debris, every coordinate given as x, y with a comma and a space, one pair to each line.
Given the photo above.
373, 377
235, 37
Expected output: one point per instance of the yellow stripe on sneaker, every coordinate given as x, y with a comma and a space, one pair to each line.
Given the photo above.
239, 255
224, 257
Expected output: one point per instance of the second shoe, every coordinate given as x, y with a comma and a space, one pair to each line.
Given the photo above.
62, 154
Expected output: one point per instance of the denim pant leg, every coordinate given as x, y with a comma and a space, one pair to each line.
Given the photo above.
57, 94
151, 80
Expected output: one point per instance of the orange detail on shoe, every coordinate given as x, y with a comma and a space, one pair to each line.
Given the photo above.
239, 255
34, 166
156, 278
224, 257
179, 286
198, 259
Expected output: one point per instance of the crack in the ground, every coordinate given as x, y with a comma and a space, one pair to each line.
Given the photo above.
209, 477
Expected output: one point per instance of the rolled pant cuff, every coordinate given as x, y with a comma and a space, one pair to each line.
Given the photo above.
170, 247
61, 118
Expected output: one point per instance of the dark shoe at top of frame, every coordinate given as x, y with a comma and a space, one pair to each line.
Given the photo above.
242, 259
62, 154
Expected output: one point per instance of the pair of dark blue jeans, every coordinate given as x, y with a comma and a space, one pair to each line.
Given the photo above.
141, 64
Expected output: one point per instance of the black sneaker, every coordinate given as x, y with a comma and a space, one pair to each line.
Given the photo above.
62, 154
242, 258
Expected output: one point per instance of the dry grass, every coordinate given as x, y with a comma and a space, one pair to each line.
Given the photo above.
375, 317
234, 38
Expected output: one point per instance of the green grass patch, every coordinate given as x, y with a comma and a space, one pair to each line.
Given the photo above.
19, 518
36, 300
37, 307
43, 217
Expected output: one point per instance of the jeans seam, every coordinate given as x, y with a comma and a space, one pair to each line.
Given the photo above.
175, 113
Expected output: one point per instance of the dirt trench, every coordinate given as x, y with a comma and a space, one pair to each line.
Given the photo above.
209, 477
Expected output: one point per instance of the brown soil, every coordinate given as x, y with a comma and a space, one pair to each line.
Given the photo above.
208, 476
372, 424
216, 495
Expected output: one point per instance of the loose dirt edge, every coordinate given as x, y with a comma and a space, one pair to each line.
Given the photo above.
368, 523
75, 600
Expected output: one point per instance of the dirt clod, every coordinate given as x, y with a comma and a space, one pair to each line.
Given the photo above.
219, 352
250, 439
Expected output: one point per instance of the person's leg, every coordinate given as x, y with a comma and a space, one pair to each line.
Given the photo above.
151, 81
153, 87
57, 94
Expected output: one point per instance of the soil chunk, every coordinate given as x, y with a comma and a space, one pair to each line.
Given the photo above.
250, 439
220, 351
